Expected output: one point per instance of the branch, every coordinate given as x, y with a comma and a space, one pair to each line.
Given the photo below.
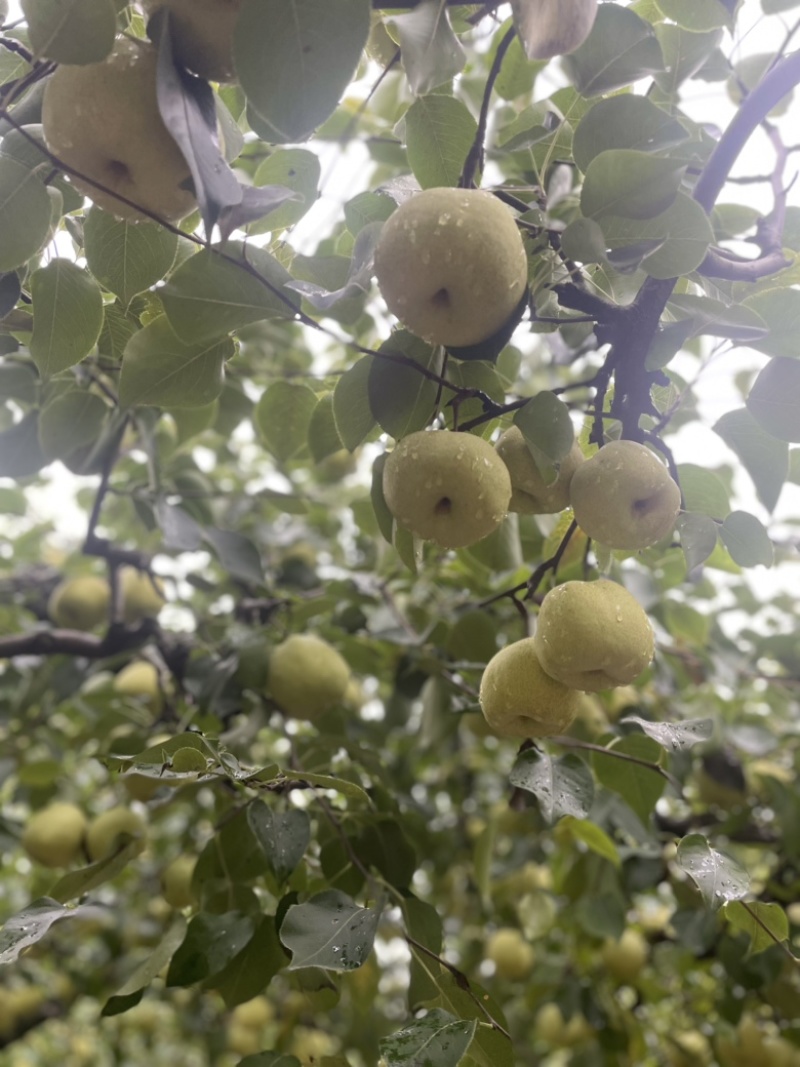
474, 159
573, 742
49, 642
718, 264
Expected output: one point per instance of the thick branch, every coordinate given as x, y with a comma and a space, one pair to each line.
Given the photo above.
76, 643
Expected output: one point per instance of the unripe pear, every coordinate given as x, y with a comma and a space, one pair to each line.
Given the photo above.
624, 496
451, 488
550, 28
593, 635
451, 265
102, 119
529, 493
80, 603
140, 679
243, 1040
142, 596
625, 958
254, 1013
202, 34
307, 676
53, 836
548, 1024
101, 837
519, 699
510, 953
176, 882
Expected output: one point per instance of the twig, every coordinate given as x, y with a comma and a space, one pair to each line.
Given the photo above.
573, 742
474, 160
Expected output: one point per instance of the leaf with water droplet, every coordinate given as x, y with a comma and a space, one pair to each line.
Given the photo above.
675, 735
439, 1039
765, 924
718, 877
32, 923
329, 931
562, 786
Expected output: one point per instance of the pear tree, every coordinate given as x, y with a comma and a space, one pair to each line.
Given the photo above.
399, 509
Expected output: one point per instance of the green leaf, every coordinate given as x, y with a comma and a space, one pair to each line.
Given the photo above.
159, 369
561, 786
329, 931
67, 316
626, 121
283, 837
704, 492
20, 451
545, 423
683, 234
127, 257
696, 15
71, 31
283, 415
774, 399
211, 942
718, 319
439, 133
323, 437
383, 516
630, 184
30, 925
69, 422
295, 58
491, 1048
684, 54
592, 836
764, 458
149, 969
698, 535
621, 49
208, 295
780, 310
251, 970
437, 1040
718, 877
638, 786
765, 924
401, 399
293, 168
423, 924
430, 52
237, 554
747, 540
675, 736
75, 884
351, 408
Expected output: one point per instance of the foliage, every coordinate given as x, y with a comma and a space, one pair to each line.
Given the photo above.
216, 398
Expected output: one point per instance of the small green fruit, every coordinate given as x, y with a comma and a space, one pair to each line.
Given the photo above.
510, 953
140, 679
624, 959
80, 603
142, 596
519, 699
307, 676
176, 882
101, 837
54, 835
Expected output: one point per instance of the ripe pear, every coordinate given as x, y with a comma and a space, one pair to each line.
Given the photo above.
54, 835
530, 495
140, 679
593, 635
519, 699
80, 603
510, 953
307, 676
451, 488
176, 882
102, 119
624, 496
101, 837
550, 28
451, 265
624, 959
142, 596
202, 34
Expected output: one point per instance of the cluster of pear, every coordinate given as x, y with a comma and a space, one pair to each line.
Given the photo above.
550, 1027
83, 603
60, 834
246, 1025
102, 119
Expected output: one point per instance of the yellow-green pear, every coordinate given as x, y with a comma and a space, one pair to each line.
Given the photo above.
550, 28
548, 1024
176, 882
451, 488
624, 496
307, 676
519, 699
254, 1013
202, 34
593, 635
80, 603
451, 265
102, 834
530, 495
140, 679
625, 958
689, 1048
142, 596
54, 835
103, 121
510, 953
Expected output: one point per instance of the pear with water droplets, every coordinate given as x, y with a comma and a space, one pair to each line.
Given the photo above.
519, 699
451, 265
624, 496
451, 488
593, 635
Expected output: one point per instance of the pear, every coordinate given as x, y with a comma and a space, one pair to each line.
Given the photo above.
53, 835
625, 958
451, 488
101, 837
624, 496
307, 676
80, 603
176, 882
254, 1013
451, 265
140, 679
142, 596
202, 34
102, 119
548, 28
593, 635
510, 953
530, 495
519, 699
